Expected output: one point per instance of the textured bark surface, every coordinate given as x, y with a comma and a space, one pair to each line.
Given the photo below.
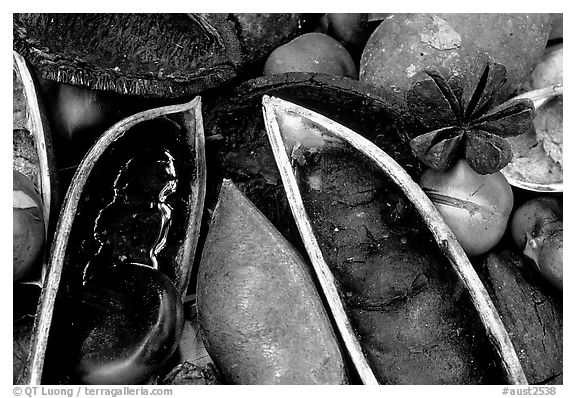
531, 311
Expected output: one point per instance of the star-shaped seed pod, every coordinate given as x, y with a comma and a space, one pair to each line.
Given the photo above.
469, 125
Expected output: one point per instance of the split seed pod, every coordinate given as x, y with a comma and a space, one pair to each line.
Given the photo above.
33, 157
131, 215
286, 123
537, 164
151, 55
238, 149
33, 152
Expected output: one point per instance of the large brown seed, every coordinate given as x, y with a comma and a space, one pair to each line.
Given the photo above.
261, 317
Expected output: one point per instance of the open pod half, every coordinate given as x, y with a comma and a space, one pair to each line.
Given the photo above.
33, 158
111, 306
238, 149
387, 263
537, 164
151, 55
33, 152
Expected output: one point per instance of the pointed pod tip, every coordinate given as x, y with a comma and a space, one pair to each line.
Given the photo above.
237, 216
227, 185
268, 106
226, 189
230, 192
270, 103
195, 103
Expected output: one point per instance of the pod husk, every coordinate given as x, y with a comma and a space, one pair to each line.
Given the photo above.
62, 277
33, 156
149, 55
237, 147
328, 134
32, 149
533, 167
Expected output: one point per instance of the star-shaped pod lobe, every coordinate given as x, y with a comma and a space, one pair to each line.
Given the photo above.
467, 127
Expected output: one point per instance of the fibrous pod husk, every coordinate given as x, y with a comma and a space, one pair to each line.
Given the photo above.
33, 157
261, 317
400, 287
151, 55
111, 309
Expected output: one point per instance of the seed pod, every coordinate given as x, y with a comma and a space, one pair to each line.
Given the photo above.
33, 157
261, 317
340, 188
537, 164
237, 147
152, 55
121, 260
